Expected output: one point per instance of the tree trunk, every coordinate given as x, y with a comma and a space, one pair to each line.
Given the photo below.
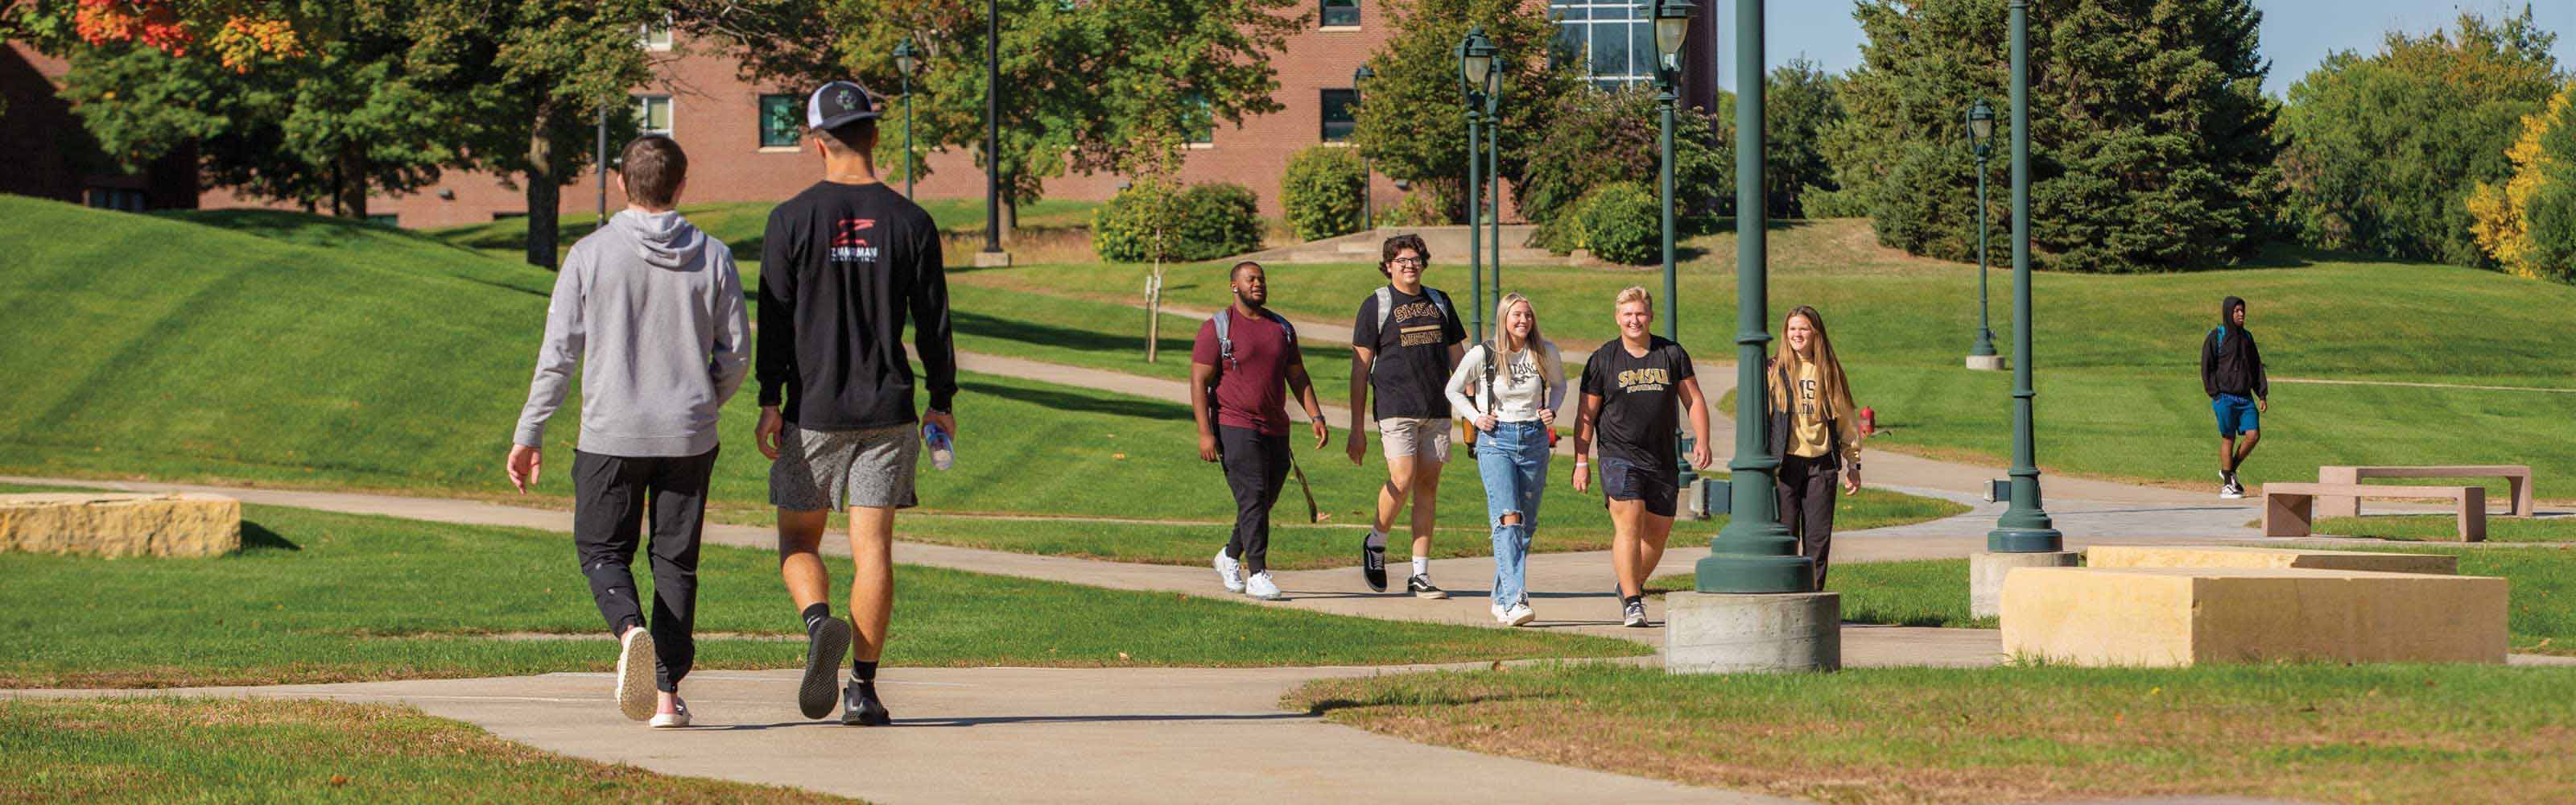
349, 169
1010, 220
545, 193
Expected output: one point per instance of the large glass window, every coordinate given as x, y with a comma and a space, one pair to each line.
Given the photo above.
653, 113
656, 36
1341, 13
1613, 42
782, 120
1341, 114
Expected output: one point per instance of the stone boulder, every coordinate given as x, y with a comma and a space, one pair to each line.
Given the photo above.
120, 524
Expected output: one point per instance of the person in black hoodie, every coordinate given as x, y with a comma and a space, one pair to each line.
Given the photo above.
2231, 371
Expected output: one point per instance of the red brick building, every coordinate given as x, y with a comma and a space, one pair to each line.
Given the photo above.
738, 152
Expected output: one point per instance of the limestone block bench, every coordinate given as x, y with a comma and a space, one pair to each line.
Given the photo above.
2289, 510
2263, 558
2517, 478
2132, 616
120, 524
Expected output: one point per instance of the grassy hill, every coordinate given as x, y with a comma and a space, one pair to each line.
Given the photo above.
280, 348
2117, 356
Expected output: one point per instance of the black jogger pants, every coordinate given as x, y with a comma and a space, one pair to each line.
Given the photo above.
611, 496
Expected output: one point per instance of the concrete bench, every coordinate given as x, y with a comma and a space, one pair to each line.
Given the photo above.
110, 524
2289, 510
2517, 478
2237, 556
2090, 616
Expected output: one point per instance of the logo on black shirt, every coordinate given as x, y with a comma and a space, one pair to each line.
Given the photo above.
850, 243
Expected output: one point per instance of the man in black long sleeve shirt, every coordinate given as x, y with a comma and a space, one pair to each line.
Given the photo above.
843, 266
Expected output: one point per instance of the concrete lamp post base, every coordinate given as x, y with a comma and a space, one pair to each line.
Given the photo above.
1986, 363
1725, 633
992, 259
1986, 572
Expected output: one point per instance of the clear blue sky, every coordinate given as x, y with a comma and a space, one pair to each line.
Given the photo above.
2297, 34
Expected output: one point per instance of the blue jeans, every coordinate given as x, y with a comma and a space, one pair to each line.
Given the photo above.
1513, 460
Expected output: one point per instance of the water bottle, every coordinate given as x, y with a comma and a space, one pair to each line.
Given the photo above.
942, 453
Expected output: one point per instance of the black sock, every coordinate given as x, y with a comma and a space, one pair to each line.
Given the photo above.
1631, 599
814, 615
632, 622
863, 670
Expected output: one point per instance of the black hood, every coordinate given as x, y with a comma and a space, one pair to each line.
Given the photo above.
2227, 311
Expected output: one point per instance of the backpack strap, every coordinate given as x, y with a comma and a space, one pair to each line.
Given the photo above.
1385, 309
1224, 336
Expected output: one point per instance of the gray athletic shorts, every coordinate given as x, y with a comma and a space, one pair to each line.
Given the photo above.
842, 469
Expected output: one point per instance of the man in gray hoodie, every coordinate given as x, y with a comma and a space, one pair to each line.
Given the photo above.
651, 310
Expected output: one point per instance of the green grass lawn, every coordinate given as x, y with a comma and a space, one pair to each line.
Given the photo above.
2321, 733
2540, 609
321, 597
2118, 370
349, 358
2445, 528
233, 750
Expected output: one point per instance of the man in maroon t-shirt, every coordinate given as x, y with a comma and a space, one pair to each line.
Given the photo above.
1251, 370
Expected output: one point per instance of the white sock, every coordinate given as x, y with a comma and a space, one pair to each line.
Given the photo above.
1377, 539
1422, 566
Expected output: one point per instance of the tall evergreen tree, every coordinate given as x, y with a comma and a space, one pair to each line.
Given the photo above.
2383, 150
2151, 143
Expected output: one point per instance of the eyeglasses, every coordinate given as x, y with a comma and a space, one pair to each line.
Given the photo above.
1410, 262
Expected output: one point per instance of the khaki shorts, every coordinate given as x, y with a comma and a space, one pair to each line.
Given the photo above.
1414, 438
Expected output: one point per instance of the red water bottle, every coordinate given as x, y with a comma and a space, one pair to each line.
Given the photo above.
1868, 422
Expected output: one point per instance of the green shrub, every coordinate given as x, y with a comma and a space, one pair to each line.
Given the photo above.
1155, 220
1597, 138
1844, 203
1424, 205
1622, 223
1322, 192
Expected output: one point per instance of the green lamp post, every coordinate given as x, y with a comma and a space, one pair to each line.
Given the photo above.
2025, 527
992, 130
905, 62
1754, 553
1475, 71
1981, 141
1359, 96
1672, 24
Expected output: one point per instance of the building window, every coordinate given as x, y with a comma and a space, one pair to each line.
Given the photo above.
388, 220
653, 114
782, 120
1341, 114
1341, 13
1614, 43
656, 36
122, 199
1201, 119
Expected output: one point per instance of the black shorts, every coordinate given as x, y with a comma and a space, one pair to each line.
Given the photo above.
1659, 487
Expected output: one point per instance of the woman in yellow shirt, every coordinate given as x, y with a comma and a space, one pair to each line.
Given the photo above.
1813, 433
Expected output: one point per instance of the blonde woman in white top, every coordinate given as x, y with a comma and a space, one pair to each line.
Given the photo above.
1509, 390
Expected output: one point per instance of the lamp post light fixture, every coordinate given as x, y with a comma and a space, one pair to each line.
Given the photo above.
1672, 23
1754, 553
905, 62
1981, 142
2025, 527
1475, 69
1359, 97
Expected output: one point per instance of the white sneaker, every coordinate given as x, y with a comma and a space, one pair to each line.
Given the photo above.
678, 717
2232, 491
1517, 615
1230, 572
1260, 586
635, 674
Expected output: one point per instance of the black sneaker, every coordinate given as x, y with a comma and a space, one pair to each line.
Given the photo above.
1634, 615
1420, 587
826, 645
860, 707
1373, 565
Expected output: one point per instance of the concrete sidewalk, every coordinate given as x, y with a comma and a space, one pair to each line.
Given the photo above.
1073, 735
